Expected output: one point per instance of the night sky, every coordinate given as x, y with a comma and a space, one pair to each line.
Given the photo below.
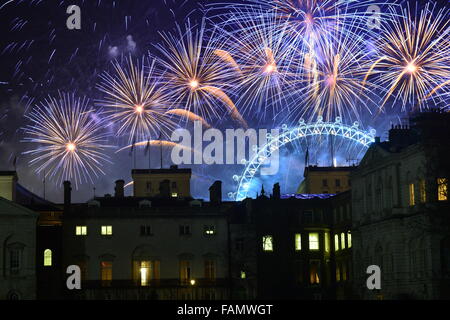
39, 56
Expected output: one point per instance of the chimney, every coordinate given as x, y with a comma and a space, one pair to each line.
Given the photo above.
67, 195
118, 190
377, 139
215, 192
276, 191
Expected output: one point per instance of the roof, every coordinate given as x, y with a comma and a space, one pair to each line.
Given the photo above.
30, 200
161, 171
9, 208
306, 196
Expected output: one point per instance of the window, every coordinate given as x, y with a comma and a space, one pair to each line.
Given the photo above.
80, 230
174, 195
314, 271
338, 272
14, 261
344, 271
342, 240
239, 244
324, 183
146, 231
349, 239
185, 230
47, 258
209, 230
185, 271
149, 186
298, 242
327, 242
106, 230
338, 182
144, 271
313, 241
268, 243
210, 269
336, 242
307, 216
243, 274
423, 194
411, 194
442, 189
174, 185
106, 273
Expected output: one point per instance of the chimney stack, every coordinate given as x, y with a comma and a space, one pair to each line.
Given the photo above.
215, 192
276, 191
119, 189
67, 195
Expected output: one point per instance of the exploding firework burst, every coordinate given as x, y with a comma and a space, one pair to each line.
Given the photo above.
70, 144
264, 58
135, 101
195, 77
338, 88
414, 56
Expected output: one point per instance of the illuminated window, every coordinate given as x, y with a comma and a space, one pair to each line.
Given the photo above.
210, 269
81, 230
314, 271
349, 239
336, 242
313, 241
106, 230
423, 194
243, 275
209, 230
442, 189
327, 242
185, 271
106, 272
342, 240
174, 194
411, 194
47, 258
145, 271
298, 242
268, 243
338, 272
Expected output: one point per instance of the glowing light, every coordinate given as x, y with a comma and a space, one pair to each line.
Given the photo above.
70, 147
411, 68
192, 282
139, 108
194, 84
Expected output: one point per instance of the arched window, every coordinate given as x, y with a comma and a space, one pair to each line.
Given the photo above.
47, 258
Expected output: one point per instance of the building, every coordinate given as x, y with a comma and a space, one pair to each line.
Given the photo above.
163, 246
294, 255
46, 235
318, 180
17, 244
400, 211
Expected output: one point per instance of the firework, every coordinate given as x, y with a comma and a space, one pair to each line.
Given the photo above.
196, 78
264, 58
339, 89
413, 58
135, 101
69, 141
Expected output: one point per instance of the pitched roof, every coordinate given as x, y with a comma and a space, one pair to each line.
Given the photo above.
9, 208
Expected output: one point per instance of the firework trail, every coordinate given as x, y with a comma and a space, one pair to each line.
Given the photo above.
69, 141
135, 100
413, 60
195, 77
189, 116
160, 143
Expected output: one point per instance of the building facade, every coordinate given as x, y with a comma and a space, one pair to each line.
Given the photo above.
322, 180
400, 212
